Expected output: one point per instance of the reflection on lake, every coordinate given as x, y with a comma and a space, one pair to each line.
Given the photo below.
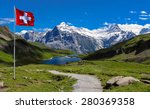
62, 60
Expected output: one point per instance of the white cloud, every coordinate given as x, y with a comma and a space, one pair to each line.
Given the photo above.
41, 29
133, 12
47, 29
6, 20
144, 15
68, 23
143, 18
106, 23
127, 18
2, 22
143, 12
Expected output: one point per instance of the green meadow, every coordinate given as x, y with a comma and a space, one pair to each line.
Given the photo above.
35, 77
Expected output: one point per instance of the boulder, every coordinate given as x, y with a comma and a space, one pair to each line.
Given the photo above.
126, 81
1, 84
113, 80
120, 81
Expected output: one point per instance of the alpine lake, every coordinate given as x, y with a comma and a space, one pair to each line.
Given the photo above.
61, 60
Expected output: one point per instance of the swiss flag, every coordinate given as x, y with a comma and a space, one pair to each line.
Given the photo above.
24, 18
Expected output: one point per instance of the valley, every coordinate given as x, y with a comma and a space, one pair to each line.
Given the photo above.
128, 58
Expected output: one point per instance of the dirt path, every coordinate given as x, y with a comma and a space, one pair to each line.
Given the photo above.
85, 83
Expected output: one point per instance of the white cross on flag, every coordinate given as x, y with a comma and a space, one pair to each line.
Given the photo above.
24, 18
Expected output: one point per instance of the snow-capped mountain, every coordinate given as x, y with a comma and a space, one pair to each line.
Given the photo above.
135, 28
145, 31
64, 36
34, 36
83, 40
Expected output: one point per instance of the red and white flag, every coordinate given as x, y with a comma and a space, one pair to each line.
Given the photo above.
24, 18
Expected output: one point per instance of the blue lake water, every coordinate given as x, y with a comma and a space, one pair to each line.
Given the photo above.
61, 60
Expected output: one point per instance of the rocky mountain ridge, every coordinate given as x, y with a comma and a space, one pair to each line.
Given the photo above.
82, 40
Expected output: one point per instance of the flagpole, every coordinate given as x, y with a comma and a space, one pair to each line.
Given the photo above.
14, 76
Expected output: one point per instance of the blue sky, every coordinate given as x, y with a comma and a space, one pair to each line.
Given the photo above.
91, 14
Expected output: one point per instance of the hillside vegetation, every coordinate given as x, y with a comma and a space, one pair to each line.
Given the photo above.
26, 52
134, 50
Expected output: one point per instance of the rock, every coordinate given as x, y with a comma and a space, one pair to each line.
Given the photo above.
126, 81
120, 81
113, 80
2, 84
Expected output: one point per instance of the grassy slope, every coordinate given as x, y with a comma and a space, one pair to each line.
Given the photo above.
6, 58
29, 80
134, 50
5, 33
118, 61
32, 80
104, 70
27, 53
48, 52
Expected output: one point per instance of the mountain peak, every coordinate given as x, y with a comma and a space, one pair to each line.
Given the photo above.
145, 31
114, 28
65, 27
63, 24
24, 31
